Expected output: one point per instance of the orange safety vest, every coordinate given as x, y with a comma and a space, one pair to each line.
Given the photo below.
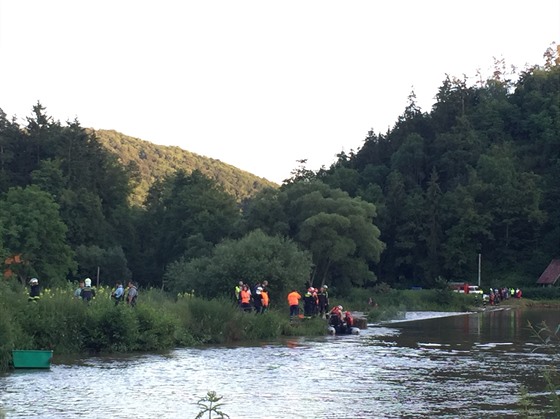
336, 311
293, 298
245, 297
264, 295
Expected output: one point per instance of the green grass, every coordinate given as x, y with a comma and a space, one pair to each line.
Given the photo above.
161, 322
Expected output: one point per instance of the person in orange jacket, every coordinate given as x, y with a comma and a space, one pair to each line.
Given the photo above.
245, 298
293, 302
265, 300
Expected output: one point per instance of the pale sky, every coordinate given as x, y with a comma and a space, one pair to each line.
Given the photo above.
256, 84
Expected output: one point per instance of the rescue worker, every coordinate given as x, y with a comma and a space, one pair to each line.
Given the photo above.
88, 293
308, 303
265, 300
34, 290
293, 302
323, 301
245, 298
335, 317
257, 300
349, 321
237, 291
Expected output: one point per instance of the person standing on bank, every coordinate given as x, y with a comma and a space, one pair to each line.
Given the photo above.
293, 302
34, 290
78, 291
323, 297
132, 294
118, 294
88, 293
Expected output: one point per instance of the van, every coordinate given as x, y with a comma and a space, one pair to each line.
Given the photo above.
475, 289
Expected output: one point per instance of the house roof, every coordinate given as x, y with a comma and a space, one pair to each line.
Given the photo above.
550, 274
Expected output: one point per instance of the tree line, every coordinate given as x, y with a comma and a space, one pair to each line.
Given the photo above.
478, 174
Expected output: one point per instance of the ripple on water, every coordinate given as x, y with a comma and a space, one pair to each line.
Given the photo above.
449, 367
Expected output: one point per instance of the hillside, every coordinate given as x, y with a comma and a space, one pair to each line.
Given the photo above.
156, 161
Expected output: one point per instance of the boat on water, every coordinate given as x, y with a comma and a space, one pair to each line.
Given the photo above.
32, 358
340, 323
343, 330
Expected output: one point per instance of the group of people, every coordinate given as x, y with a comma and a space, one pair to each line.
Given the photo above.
342, 321
130, 295
496, 295
86, 292
315, 302
256, 299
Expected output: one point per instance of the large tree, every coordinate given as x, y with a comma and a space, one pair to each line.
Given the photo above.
253, 258
337, 229
34, 230
186, 215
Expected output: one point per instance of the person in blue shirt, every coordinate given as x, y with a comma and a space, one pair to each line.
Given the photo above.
118, 294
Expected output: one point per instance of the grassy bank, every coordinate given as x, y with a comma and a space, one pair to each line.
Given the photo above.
158, 322
161, 322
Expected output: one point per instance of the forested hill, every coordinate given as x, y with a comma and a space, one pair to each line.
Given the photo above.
479, 174
153, 162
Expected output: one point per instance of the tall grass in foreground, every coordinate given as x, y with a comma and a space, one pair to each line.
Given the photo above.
158, 322
548, 342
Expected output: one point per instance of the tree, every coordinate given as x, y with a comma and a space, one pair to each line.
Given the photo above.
179, 208
409, 160
33, 228
110, 263
338, 230
433, 233
252, 258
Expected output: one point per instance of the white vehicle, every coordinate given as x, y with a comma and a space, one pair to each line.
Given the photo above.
475, 289
472, 289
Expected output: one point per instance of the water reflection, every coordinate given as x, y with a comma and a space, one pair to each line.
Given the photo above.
466, 366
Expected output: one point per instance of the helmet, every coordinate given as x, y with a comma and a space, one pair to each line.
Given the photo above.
340, 308
33, 281
325, 287
87, 282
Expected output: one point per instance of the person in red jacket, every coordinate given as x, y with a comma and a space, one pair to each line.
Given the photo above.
293, 302
349, 320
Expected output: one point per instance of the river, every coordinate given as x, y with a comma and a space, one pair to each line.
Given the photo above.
467, 366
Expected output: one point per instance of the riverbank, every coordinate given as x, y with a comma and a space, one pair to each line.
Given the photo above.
161, 322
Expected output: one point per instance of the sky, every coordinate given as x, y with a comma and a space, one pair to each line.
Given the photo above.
256, 84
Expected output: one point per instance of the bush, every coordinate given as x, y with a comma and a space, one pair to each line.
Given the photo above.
541, 293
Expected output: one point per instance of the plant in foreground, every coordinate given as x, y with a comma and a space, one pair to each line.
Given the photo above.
549, 342
210, 404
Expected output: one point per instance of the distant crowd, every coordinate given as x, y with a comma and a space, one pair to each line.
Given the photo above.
496, 295
257, 299
86, 292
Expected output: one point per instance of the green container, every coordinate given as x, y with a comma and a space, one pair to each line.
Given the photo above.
32, 359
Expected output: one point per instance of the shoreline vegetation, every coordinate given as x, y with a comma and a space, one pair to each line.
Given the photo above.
162, 322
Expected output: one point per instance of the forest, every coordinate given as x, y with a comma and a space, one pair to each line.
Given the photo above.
479, 174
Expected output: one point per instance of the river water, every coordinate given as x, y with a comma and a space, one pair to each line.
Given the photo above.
467, 366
